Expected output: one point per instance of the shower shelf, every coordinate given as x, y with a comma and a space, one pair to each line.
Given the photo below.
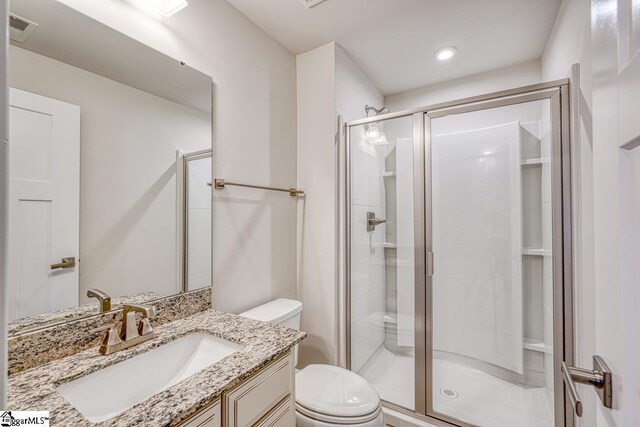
536, 252
535, 345
388, 245
395, 261
388, 174
535, 162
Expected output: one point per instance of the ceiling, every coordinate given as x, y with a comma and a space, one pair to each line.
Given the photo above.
394, 41
95, 47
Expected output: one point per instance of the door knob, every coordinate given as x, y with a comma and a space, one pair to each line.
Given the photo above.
69, 262
599, 378
372, 221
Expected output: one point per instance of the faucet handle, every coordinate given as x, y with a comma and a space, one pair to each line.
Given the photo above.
111, 339
130, 329
145, 327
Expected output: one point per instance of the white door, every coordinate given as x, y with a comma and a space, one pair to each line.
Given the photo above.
616, 167
44, 192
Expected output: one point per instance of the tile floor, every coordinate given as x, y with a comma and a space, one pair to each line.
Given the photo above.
481, 399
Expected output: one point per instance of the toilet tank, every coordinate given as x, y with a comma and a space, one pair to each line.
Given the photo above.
283, 312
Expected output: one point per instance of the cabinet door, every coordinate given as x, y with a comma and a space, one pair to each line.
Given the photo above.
246, 404
209, 416
283, 415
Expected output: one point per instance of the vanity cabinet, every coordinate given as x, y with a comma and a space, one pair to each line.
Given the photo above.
264, 400
209, 416
282, 415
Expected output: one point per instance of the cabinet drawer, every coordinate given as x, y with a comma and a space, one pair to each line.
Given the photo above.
282, 415
254, 398
209, 416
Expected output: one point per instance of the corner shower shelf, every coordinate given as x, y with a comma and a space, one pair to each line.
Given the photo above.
388, 174
536, 252
391, 261
535, 162
388, 245
535, 345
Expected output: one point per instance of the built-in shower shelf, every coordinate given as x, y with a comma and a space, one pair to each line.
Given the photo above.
534, 162
395, 261
535, 252
388, 174
535, 345
388, 245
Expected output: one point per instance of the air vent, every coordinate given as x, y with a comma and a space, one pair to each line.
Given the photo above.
310, 3
20, 28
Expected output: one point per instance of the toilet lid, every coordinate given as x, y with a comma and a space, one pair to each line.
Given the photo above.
330, 390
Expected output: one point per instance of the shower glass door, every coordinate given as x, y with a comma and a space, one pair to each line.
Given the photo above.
493, 294
458, 278
381, 272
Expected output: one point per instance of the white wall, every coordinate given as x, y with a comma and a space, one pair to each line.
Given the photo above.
492, 81
329, 84
254, 137
354, 90
4, 167
128, 187
316, 212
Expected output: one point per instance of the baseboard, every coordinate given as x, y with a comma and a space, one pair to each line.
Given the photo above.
397, 419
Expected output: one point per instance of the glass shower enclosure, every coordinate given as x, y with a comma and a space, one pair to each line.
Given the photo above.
458, 281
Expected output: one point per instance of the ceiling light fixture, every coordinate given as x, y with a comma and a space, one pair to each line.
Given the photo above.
445, 53
168, 7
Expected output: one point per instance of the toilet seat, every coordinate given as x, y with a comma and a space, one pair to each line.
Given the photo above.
332, 420
335, 395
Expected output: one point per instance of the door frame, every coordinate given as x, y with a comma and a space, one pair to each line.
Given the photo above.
183, 258
558, 92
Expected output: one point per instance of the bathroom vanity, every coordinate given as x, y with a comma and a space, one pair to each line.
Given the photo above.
266, 400
206, 369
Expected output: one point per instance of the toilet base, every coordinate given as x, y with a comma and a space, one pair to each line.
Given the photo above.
303, 420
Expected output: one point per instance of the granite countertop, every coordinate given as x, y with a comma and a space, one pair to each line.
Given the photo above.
35, 389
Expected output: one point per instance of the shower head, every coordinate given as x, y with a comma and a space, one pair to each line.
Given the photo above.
373, 131
376, 111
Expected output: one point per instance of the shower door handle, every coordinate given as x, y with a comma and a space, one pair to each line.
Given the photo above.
372, 221
599, 378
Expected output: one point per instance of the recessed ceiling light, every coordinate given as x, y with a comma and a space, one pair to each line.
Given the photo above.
168, 7
445, 53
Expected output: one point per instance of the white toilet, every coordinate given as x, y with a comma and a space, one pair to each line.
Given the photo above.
325, 395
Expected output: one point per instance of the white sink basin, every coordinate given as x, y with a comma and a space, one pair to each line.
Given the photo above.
112, 390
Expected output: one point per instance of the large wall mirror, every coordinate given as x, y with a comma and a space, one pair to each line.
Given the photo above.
110, 160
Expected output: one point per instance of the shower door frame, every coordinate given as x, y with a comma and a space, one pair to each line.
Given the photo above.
558, 94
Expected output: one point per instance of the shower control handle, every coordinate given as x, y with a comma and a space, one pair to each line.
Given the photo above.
372, 221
